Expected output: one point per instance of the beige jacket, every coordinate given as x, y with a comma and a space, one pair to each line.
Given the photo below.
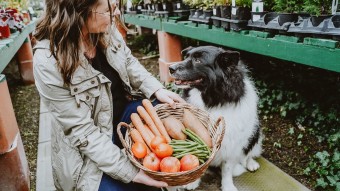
81, 116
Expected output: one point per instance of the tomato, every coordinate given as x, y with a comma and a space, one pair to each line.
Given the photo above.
163, 150
139, 150
170, 164
189, 162
151, 161
156, 141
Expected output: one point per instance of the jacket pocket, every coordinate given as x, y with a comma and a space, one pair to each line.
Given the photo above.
86, 91
67, 162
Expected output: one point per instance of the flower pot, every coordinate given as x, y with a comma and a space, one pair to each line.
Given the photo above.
5, 31
240, 13
336, 21
158, 7
167, 7
316, 20
287, 17
225, 12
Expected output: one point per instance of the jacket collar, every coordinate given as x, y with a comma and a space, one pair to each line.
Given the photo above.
84, 72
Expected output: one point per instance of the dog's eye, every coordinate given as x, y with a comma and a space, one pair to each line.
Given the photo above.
196, 60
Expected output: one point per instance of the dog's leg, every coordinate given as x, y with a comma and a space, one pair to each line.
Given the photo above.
193, 185
238, 170
227, 176
252, 165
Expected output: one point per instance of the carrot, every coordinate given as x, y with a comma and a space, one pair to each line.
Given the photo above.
146, 128
144, 115
137, 122
191, 122
153, 114
137, 137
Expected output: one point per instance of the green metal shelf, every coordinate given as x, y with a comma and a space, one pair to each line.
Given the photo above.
319, 53
10, 46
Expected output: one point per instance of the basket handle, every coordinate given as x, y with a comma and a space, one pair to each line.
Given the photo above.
122, 140
220, 121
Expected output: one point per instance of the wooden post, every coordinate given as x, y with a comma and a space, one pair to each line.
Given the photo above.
14, 171
169, 51
25, 60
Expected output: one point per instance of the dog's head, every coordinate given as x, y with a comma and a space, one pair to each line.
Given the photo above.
203, 66
218, 74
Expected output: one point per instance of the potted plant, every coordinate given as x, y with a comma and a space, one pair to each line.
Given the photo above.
221, 13
194, 5
240, 14
319, 9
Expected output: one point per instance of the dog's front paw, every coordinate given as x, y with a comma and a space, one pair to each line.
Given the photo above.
229, 188
193, 185
252, 165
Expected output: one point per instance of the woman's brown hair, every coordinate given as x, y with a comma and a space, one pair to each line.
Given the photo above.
61, 23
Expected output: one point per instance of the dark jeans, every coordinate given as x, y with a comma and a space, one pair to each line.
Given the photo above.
109, 184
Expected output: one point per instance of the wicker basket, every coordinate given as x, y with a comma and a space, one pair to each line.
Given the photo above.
216, 130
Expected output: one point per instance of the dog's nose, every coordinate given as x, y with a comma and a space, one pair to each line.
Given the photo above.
172, 69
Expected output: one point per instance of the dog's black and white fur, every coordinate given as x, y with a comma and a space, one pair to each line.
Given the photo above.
216, 80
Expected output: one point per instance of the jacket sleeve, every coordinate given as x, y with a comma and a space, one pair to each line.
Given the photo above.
77, 124
139, 77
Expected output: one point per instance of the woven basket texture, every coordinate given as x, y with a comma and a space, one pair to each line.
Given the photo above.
215, 128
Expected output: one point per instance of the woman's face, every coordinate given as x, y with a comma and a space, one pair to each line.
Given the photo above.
99, 20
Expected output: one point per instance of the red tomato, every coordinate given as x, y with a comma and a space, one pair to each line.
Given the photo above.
170, 164
189, 162
156, 141
139, 150
151, 161
163, 150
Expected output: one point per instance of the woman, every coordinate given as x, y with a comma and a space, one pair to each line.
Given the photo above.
88, 80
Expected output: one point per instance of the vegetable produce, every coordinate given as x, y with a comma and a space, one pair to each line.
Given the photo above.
144, 131
174, 128
170, 164
153, 114
152, 162
163, 150
191, 122
195, 146
147, 129
137, 137
139, 150
156, 141
189, 162
146, 117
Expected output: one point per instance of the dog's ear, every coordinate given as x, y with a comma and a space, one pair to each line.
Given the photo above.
228, 58
186, 50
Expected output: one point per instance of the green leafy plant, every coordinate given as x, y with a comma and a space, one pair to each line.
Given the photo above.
309, 97
222, 2
194, 3
318, 7
243, 3
288, 6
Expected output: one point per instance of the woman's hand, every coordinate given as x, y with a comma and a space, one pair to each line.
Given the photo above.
142, 178
169, 97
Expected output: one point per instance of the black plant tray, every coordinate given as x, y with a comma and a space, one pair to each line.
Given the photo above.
184, 14
148, 12
163, 14
329, 26
221, 22
201, 18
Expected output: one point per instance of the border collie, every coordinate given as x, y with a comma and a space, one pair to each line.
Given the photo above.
216, 80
